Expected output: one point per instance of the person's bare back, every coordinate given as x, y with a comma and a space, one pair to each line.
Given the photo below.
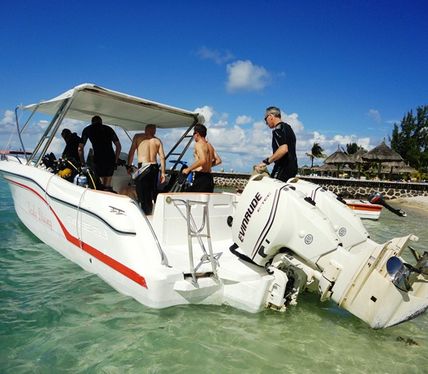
147, 149
206, 153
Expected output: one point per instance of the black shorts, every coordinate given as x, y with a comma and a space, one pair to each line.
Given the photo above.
104, 170
202, 182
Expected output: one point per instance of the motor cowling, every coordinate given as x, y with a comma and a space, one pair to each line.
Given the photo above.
271, 215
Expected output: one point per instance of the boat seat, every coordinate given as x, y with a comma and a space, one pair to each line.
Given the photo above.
169, 220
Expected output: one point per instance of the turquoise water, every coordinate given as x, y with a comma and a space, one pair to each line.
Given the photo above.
57, 318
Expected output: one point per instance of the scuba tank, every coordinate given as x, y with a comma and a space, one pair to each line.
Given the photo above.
82, 178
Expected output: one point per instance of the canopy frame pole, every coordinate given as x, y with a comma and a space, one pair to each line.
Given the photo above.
20, 131
50, 131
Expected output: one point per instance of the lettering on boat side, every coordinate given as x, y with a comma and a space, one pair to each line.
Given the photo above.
37, 213
247, 216
116, 210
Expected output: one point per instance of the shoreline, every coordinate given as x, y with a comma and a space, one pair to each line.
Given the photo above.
416, 202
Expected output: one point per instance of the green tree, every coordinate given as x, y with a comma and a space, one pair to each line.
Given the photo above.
316, 152
410, 138
352, 148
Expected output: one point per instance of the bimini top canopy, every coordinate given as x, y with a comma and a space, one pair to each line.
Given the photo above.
115, 108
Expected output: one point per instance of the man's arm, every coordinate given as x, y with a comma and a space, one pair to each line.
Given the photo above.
217, 159
131, 152
118, 149
162, 161
80, 150
279, 153
81, 146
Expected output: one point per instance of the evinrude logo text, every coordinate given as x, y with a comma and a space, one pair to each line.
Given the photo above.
247, 216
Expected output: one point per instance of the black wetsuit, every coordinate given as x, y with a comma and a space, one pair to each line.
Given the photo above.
202, 182
146, 188
71, 148
286, 167
101, 137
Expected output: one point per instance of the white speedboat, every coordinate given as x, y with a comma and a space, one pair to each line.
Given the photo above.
364, 209
252, 251
372, 208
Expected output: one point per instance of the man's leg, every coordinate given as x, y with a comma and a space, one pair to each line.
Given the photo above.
147, 189
106, 181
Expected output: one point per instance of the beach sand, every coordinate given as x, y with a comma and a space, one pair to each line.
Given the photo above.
416, 202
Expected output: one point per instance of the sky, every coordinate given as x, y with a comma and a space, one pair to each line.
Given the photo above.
341, 71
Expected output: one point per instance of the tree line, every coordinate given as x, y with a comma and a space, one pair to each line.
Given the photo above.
409, 139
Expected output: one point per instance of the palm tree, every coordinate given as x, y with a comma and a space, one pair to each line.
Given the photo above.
316, 152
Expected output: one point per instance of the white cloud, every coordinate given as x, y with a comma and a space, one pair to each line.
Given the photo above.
343, 139
222, 122
364, 142
207, 112
8, 118
245, 76
243, 120
228, 139
293, 120
374, 114
7, 123
214, 55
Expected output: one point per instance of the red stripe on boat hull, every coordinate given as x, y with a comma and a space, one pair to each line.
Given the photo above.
107, 260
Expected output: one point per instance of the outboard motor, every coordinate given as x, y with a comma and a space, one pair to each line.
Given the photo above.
377, 198
272, 215
281, 228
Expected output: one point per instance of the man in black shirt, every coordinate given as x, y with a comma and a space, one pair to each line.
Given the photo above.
283, 146
72, 141
105, 159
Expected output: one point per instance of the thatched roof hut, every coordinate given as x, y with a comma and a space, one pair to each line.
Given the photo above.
337, 158
381, 154
357, 157
397, 167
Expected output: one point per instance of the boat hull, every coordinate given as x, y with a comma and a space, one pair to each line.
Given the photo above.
364, 209
108, 235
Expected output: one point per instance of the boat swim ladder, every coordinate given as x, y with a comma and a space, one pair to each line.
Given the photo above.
186, 139
197, 232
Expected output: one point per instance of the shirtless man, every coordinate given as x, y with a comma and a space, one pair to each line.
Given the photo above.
148, 147
205, 158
